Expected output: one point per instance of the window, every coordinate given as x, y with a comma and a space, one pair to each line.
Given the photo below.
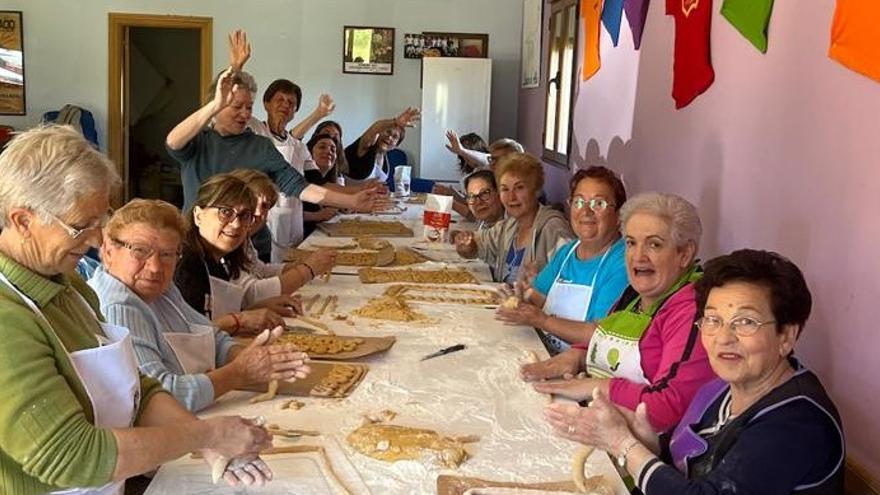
560, 80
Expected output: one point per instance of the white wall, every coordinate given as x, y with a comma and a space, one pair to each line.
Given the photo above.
66, 51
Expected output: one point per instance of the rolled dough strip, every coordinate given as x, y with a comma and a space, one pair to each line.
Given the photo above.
323, 307
577, 467
269, 395
218, 467
311, 301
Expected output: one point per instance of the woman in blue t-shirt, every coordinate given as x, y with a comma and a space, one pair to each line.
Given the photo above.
586, 276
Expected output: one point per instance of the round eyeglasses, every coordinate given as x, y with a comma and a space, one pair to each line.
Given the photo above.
598, 205
742, 326
228, 214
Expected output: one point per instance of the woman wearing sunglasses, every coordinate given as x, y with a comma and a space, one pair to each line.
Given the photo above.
586, 276
215, 255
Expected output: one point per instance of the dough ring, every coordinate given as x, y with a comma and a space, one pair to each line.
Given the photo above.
269, 395
577, 467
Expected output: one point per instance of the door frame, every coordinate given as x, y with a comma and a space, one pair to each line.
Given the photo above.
118, 74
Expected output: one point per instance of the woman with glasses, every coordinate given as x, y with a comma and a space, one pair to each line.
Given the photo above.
765, 425
76, 417
586, 276
174, 343
215, 254
531, 231
366, 157
646, 350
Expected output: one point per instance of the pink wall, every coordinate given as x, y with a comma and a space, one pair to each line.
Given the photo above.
781, 153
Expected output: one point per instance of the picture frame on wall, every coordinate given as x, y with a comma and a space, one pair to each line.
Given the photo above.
413, 44
468, 45
367, 50
12, 81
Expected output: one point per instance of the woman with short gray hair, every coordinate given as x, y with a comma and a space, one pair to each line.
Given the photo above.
682, 216
74, 411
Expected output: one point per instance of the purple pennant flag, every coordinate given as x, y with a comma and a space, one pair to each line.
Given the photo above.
612, 11
636, 13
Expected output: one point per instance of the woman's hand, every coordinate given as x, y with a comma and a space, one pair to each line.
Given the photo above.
454, 144
284, 305
239, 49
234, 436
525, 313
364, 201
241, 472
324, 214
408, 117
326, 105
566, 364
321, 261
257, 320
600, 425
224, 92
466, 245
261, 361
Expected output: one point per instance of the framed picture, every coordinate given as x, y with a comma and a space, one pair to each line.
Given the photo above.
455, 45
11, 64
413, 44
367, 50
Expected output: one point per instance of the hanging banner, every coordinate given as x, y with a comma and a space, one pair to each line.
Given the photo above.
855, 36
591, 13
751, 18
531, 43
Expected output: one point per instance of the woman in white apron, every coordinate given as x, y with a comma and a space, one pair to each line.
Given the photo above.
646, 350
585, 277
174, 343
214, 255
366, 156
70, 387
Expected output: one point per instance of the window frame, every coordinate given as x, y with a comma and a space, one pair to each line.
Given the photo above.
568, 8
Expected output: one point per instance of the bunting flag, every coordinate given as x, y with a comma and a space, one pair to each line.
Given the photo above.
591, 13
855, 36
692, 71
750, 18
612, 12
636, 14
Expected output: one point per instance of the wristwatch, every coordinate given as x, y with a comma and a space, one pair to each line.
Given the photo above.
621, 459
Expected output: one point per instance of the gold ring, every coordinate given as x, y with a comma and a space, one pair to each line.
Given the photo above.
571, 429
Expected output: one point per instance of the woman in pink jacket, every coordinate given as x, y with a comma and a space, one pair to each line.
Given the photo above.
646, 349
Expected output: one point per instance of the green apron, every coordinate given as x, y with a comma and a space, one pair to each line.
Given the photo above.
614, 347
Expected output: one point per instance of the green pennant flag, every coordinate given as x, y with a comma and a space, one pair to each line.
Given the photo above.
750, 18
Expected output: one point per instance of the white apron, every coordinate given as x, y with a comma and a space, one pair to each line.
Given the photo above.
109, 373
226, 297
194, 349
285, 219
378, 173
569, 301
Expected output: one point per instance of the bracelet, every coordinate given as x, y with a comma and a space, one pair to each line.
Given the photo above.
311, 272
237, 322
621, 459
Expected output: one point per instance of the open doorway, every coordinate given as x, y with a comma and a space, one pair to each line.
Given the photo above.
160, 66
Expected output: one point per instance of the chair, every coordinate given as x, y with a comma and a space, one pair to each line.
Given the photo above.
398, 157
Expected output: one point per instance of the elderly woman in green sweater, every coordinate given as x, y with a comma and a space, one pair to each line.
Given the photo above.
75, 415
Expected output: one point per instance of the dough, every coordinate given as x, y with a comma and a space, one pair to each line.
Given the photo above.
512, 302
577, 467
394, 443
455, 295
444, 276
269, 395
218, 467
388, 308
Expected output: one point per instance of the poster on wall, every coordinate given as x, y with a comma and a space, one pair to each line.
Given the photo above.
468, 45
367, 50
11, 64
531, 43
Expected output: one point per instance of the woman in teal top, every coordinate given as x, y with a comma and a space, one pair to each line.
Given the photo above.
586, 276
74, 412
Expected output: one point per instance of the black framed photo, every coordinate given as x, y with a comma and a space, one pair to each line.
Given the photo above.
12, 89
467, 45
367, 50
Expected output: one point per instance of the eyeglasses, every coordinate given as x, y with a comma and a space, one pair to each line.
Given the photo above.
598, 205
482, 196
228, 214
742, 326
76, 231
143, 252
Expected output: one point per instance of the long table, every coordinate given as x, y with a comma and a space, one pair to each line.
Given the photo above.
476, 391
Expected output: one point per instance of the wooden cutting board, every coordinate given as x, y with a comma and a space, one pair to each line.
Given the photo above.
320, 370
354, 228
457, 485
369, 346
